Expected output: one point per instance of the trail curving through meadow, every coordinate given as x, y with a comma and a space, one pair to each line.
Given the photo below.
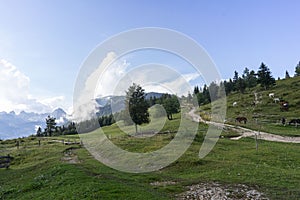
245, 132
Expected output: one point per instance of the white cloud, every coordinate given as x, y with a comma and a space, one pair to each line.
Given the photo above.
60, 120
85, 105
15, 94
52, 102
108, 78
113, 77
157, 78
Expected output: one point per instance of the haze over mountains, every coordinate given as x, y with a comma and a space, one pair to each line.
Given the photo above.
14, 125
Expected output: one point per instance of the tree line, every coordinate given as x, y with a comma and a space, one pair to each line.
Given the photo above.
136, 112
53, 130
239, 83
137, 106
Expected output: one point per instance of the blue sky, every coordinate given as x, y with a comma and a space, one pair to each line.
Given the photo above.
47, 41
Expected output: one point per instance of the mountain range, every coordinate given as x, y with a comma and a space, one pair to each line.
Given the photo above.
112, 104
14, 125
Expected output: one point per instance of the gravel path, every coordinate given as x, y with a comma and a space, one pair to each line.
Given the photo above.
245, 132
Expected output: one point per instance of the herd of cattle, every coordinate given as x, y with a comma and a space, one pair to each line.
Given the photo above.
284, 106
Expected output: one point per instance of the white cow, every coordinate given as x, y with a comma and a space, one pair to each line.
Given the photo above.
234, 104
276, 100
271, 95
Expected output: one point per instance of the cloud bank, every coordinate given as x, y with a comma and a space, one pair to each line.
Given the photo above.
114, 75
15, 93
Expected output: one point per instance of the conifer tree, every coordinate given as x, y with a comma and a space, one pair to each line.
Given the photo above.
136, 105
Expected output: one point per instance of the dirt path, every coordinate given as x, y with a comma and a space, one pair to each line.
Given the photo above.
245, 132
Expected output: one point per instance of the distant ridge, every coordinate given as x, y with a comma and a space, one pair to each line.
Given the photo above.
14, 125
112, 104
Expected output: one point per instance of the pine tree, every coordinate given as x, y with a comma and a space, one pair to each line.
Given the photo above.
206, 94
252, 79
235, 80
297, 69
249, 78
213, 91
264, 77
241, 85
196, 90
287, 75
50, 124
136, 105
171, 105
39, 132
228, 86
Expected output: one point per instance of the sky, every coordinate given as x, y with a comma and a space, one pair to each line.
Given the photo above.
43, 44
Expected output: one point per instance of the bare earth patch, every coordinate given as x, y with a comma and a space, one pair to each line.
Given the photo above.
70, 157
163, 183
203, 191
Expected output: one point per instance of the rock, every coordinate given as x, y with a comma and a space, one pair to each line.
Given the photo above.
217, 191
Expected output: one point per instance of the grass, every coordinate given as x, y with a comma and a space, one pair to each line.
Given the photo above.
38, 172
266, 115
41, 172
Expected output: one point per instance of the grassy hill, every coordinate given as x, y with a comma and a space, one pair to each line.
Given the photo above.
265, 115
57, 171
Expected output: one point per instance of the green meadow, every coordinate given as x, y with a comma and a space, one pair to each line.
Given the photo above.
57, 171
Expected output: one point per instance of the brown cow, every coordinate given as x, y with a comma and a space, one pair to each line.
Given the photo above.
241, 119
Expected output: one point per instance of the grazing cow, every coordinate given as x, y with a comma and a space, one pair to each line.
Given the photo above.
241, 119
271, 95
234, 104
294, 121
284, 106
276, 100
283, 121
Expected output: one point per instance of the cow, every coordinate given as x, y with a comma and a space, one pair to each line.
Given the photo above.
241, 119
276, 100
271, 95
234, 104
294, 121
283, 121
284, 106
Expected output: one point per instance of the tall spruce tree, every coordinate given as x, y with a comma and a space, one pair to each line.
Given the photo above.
297, 69
287, 75
39, 132
171, 105
264, 77
252, 79
137, 105
249, 78
50, 125
235, 80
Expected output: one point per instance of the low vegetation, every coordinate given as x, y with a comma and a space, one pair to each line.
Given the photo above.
43, 172
266, 114
47, 168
